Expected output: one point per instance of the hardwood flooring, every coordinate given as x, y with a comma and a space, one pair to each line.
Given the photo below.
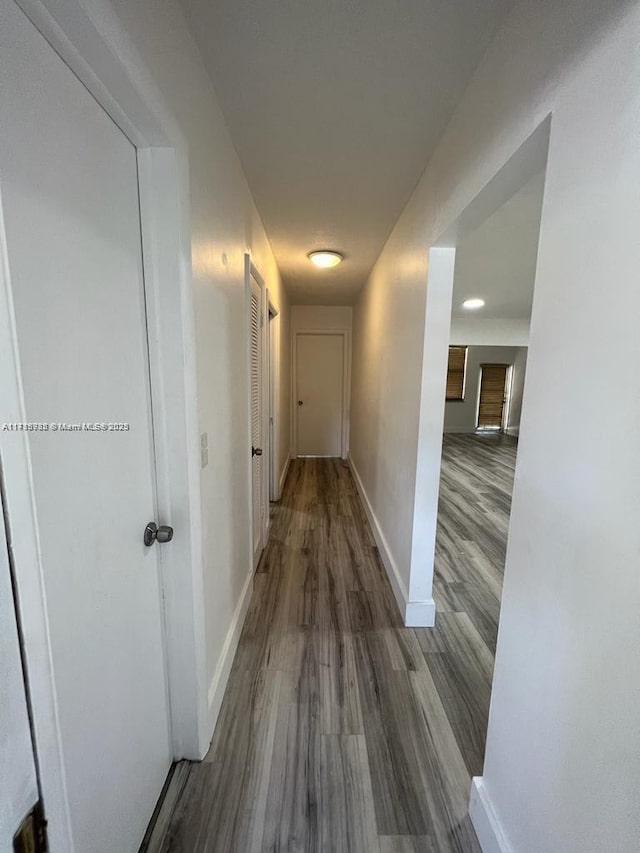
340, 729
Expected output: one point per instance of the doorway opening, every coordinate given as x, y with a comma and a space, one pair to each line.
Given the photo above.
493, 399
495, 263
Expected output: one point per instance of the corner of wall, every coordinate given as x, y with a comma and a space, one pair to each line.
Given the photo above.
485, 822
283, 475
415, 614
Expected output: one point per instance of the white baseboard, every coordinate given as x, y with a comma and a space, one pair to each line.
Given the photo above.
420, 614
416, 614
219, 681
283, 476
514, 430
485, 822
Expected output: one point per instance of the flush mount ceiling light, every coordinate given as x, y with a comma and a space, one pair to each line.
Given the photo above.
326, 258
473, 304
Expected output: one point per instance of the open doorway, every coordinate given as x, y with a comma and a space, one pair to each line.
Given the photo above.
493, 399
493, 289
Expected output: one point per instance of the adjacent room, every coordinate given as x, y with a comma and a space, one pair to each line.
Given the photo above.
493, 291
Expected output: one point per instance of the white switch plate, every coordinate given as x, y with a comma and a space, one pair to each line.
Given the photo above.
204, 450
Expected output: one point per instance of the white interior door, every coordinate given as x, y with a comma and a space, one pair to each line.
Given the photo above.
19, 789
256, 350
320, 363
69, 192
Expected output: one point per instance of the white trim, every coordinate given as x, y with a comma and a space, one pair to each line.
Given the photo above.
416, 614
315, 456
346, 385
249, 470
478, 393
23, 534
506, 407
273, 414
513, 430
218, 683
420, 614
431, 422
485, 821
283, 476
171, 336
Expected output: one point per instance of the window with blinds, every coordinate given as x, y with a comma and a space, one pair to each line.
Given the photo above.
455, 373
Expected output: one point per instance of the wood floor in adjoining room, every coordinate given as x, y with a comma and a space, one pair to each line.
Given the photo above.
341, 730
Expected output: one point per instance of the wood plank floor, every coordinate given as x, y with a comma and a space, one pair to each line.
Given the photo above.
341, 730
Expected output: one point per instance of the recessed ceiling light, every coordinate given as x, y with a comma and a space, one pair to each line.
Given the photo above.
326, 258
473, 304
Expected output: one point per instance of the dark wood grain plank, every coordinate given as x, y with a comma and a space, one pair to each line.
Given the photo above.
347, 817
406, 844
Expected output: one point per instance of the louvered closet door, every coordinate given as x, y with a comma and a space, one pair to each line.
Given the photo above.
492, 395
255, 354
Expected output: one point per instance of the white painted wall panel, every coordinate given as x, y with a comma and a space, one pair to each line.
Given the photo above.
489, 333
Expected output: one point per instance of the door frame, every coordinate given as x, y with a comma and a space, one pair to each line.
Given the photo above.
346, 385
506, 408
273, 422
96, 49
416, 601
508, 377
250, 270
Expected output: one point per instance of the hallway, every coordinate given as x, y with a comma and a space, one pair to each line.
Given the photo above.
341, 730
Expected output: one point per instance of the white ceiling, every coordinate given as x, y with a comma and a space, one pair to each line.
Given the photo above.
497, 261
335, 107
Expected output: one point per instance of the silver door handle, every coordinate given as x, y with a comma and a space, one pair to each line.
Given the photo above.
153, 533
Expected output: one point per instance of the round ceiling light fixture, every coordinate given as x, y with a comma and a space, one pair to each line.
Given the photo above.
325, 258
473, 304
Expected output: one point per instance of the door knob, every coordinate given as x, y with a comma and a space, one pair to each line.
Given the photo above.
256, 451
300, 403
153, 533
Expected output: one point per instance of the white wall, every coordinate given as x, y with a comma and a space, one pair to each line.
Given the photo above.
563, 751
326, 317
489, 333
224, 225
461, 415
